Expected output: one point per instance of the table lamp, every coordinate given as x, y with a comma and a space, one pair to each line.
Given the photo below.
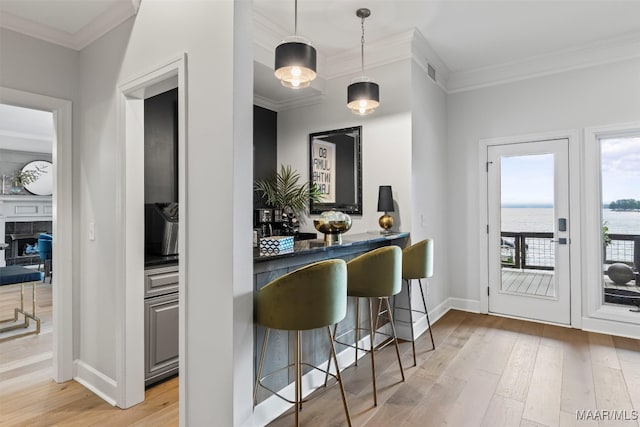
385, 204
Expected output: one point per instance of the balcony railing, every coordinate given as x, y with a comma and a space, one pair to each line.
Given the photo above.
623, 248
529, 250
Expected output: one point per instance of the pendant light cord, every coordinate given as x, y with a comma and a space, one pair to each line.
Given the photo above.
295, 21
361, 46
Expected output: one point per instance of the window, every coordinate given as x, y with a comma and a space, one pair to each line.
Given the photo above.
620, 214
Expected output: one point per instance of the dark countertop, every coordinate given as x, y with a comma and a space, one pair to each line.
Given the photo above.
151, 261
304, 247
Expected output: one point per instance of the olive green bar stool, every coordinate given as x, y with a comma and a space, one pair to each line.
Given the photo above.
376, 275
311, 297
417, 263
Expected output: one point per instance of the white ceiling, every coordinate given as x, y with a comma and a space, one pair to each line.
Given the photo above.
23, 129
476, 42
465, 34
506, 38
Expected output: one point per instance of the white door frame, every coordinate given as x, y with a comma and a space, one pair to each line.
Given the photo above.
130, 225
62, 292
574, 213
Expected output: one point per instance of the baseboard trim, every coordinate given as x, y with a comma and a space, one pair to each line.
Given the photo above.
94, 380
420, 325
463, 304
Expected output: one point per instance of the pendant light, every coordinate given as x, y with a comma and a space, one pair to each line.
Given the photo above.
295, 63
363, 94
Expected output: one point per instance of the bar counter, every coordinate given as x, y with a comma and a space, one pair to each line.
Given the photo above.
308, 251
269, 267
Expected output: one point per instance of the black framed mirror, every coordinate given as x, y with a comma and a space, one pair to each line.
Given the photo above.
335, 167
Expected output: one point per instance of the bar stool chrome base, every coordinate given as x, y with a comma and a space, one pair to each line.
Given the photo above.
412, 310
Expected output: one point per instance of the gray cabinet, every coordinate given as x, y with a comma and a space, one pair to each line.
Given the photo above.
161, 334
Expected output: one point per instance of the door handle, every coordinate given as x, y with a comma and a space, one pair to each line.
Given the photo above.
562, 224
561, 241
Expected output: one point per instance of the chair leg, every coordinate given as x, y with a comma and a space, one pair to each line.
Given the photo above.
372, 333
357, 328
395, 337
260, 366
424, 302
298, 398
413, 338
338, 376
333, 338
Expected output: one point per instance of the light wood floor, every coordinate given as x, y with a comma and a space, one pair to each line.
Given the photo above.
28, 396
490, 371
485, 371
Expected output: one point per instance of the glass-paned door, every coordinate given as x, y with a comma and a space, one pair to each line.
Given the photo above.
529, 237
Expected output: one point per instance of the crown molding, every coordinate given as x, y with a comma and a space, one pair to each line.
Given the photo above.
106, 22
289, 104
102, 24
599, 53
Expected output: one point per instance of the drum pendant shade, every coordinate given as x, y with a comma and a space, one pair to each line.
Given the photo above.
295, 64
363, 97
363, 94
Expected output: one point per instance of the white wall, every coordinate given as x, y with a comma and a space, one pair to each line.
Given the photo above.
386, 141
162, 31
576, 99
429, 187
404, 144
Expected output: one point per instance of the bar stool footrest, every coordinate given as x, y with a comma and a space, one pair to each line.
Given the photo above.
292, 365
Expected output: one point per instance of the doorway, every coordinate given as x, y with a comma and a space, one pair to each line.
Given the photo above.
130, 265
62, 225
528, 230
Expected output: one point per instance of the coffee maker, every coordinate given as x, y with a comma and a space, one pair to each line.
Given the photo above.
267, 222
263, 221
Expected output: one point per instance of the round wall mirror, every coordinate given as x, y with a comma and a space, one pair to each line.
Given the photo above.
42, 182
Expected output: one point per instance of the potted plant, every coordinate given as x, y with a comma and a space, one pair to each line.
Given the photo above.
19, 179
284, 192
606, 241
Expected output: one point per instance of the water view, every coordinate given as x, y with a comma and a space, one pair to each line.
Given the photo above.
541, 220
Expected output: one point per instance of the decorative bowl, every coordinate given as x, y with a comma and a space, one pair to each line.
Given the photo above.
333, 224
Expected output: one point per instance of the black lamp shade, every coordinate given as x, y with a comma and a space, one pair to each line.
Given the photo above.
363, 97
385, 199
295, 64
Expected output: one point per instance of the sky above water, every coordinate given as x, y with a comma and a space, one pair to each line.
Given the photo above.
528, 180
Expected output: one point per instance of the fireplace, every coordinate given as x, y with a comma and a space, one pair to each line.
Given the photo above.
21, 239
22, 219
